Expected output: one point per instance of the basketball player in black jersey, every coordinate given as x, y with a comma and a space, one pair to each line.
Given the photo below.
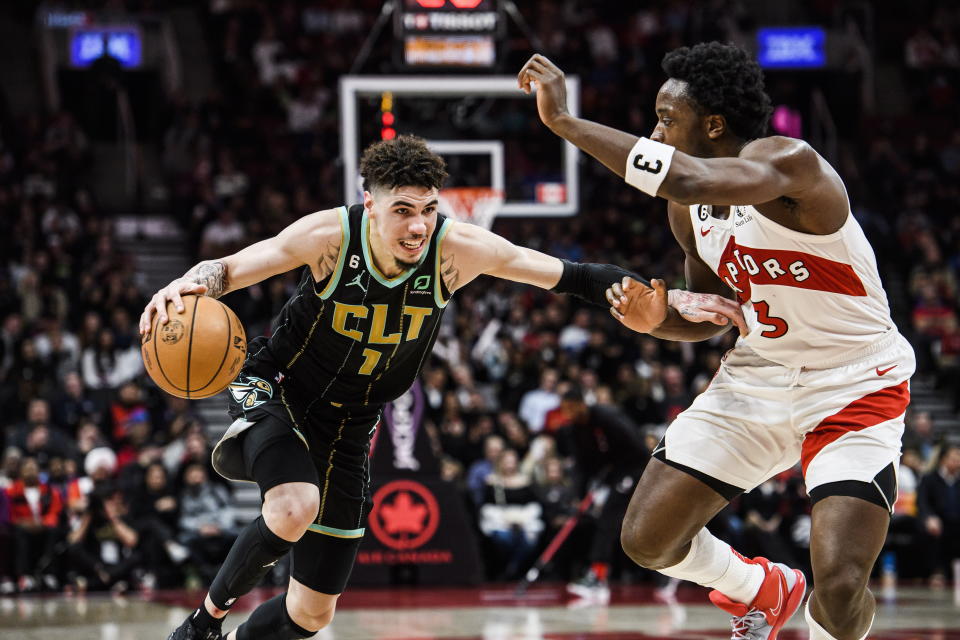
353, 336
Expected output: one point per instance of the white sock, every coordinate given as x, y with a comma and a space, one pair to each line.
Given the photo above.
712, 563
819, 633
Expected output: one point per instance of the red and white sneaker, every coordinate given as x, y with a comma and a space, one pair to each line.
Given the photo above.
779, 598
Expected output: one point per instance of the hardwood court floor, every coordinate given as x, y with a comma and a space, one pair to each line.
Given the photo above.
460, 614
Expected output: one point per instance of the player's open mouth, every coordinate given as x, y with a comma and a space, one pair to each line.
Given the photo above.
413, 245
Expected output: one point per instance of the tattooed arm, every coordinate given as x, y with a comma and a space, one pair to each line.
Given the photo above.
312, 240
211, 275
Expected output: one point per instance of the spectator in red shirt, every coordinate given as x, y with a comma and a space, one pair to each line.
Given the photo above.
35, 514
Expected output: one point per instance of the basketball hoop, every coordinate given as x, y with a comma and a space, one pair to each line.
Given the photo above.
476, 205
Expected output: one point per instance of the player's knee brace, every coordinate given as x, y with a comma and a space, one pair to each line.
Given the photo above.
271, 621
254, 553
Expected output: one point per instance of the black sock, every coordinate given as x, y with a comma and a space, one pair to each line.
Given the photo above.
271, 621
202, 620
251, 557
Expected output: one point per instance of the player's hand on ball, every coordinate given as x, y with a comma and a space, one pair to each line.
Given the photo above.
551, 87
170, 293
638, 306
707, 307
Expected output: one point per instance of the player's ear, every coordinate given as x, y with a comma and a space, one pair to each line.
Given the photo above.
367, 200
715, 125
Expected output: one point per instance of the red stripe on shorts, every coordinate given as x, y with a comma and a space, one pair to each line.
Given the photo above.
879, 406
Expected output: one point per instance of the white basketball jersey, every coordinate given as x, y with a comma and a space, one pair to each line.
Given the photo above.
809, 300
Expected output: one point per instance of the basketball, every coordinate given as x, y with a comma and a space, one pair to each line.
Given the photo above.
198, 352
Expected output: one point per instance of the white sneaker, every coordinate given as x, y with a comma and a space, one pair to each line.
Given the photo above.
177, 552
591, 589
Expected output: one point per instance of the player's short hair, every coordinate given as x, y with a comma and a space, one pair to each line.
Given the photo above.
722, 79
405, 161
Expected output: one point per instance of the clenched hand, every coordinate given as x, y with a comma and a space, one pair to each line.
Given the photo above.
644, 308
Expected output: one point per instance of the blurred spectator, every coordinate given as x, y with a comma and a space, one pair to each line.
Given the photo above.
609, 451
765, 532
919, 433
576, 335
74, 404
223, 236
676, 395
102, 545
45, 444
207, 525
38, 414
127, 413
106, 367
481, 469
59, 348
155, 514
537, 402
510, 516
922, 50
557, 495
10, 466
938, 502
34, 514
7, 585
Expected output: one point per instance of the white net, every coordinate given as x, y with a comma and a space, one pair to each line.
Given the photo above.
477, 205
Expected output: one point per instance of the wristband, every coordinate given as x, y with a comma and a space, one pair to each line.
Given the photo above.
590, 281
647, 165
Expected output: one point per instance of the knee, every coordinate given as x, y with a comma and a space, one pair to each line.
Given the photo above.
310, 617
290, 508
645, 547
840, 591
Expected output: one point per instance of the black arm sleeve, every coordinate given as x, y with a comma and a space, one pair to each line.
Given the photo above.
590, 281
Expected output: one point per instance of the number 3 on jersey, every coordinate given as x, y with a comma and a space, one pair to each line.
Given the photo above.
763, 317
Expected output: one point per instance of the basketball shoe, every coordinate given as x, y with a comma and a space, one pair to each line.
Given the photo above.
591, 589
779, 598
187, 631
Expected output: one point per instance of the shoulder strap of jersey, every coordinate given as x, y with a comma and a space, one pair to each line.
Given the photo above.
341, 258
441, 294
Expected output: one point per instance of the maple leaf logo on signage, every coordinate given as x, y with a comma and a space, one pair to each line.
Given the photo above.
405, 515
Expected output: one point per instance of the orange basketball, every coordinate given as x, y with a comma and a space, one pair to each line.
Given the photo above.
198, 352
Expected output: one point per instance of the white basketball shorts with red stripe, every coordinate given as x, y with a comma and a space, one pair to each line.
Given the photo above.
758, 418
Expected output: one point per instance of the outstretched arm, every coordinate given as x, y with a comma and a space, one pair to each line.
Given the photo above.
469, 250
765, 170
298, 244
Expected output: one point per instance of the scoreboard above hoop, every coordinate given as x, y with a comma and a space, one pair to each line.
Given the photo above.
483, 5
450, 17
438, 33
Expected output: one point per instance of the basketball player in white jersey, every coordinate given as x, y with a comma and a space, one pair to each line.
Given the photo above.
821, 376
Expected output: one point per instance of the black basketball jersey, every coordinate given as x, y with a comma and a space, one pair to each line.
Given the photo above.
357, 338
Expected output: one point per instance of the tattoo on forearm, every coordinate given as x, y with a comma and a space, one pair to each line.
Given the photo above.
449, 272
328, 260
212, 274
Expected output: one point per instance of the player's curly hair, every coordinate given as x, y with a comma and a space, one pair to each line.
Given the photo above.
723, 79
405, 161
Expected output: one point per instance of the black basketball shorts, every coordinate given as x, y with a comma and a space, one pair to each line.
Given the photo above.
281, 437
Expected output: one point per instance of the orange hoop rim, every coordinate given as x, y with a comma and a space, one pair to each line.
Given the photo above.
478, 205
